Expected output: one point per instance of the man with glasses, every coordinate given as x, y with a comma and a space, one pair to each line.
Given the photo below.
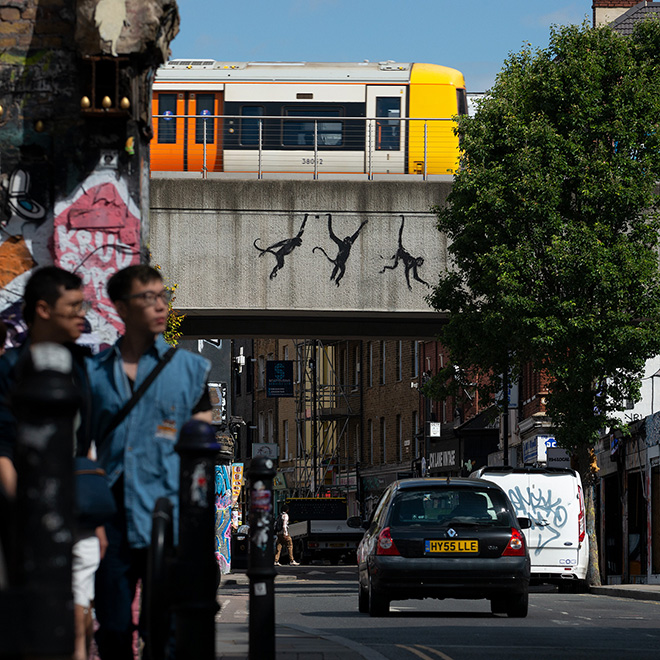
54, 309
138, 452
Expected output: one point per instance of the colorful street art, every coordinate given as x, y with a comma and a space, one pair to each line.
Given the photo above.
223, 497
94, 231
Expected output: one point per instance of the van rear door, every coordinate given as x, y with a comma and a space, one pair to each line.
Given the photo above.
552, 500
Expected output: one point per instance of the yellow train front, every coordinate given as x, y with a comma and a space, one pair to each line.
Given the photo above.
325, 118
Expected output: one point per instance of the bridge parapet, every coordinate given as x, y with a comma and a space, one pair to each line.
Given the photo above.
298, 251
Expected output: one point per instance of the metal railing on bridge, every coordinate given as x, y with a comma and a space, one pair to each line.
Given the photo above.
300, 144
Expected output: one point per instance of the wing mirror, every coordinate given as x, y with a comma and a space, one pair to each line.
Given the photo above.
357, 523
525, 523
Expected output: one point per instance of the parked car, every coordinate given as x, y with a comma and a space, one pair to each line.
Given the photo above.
553, 500
443, 538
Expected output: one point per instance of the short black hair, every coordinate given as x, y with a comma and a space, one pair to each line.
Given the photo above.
47, 284
285, 508
120, 284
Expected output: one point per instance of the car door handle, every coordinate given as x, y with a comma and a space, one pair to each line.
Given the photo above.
541, 523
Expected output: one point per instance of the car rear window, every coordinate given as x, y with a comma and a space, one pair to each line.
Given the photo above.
436, 506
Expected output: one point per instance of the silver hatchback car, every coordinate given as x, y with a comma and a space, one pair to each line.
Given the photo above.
443, 538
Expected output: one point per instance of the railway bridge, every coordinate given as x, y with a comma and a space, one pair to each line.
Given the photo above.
295, 257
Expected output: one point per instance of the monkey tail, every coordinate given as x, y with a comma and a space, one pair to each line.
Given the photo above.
324, 252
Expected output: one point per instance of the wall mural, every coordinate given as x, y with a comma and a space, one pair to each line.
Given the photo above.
94, 232
223, 501
409, 262
283, 248
343, 250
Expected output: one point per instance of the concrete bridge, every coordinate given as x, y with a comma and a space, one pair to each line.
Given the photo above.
298, 257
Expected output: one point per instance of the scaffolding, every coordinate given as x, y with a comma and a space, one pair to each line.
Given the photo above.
326, 402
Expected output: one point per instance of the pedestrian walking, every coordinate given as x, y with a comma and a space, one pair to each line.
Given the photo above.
283, 537
143, 392
54, 310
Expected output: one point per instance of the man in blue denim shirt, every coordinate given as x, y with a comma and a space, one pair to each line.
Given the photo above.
138, 455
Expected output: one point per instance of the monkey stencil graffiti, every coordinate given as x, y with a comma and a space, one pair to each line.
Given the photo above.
410, 263
283, 248
344, 246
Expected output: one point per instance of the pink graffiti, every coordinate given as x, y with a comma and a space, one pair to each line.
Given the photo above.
96, 236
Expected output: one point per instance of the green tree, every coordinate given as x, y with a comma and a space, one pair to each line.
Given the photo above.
553, 236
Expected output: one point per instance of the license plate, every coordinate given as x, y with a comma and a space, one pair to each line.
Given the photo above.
462, 546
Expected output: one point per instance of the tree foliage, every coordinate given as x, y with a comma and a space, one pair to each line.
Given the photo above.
552, 228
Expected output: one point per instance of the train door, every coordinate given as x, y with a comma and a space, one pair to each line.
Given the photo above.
167, 146
385, 135
204, 132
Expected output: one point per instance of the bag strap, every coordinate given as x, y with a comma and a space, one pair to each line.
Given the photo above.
137, 395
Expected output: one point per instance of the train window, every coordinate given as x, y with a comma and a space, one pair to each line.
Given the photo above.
461, 100
204, 128
388, 131
167, 120
298, 133
250, 127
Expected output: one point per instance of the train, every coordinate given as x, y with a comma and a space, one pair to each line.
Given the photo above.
306, 117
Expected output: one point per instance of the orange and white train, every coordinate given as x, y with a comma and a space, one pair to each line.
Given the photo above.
384, 117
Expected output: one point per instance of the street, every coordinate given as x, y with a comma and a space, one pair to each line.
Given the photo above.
323, 599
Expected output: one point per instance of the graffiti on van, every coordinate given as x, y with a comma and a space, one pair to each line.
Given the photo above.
548, 516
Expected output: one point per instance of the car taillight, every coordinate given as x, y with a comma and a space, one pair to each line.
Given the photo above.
385, 544
516, 545
581, 520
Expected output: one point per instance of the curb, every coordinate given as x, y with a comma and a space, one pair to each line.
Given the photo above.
623, 592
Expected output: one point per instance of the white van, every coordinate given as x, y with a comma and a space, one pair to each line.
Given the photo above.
552, 499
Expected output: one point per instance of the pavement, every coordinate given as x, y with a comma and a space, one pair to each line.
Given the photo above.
298, 643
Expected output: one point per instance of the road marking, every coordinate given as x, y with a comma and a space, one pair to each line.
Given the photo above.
438, 653
423, 656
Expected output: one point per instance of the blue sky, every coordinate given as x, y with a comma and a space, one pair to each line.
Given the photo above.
472, 36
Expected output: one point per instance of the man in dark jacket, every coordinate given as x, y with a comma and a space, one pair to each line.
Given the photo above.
54, 310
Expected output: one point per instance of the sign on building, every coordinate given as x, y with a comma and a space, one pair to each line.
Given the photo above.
279, 378
266, 449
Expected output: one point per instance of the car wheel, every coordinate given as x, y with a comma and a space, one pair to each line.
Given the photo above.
498, 606
363, 599
517, 606
378, 603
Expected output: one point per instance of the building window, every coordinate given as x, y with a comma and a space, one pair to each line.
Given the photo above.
262, 372
261, 429
399, 437
370, 364
382, 363
204, 122
356, 364
414, 367
415, 431
237, 383
399, 369
271, 429
370, 431
383, 440
285, 435
285, 353
167, 123
249, 376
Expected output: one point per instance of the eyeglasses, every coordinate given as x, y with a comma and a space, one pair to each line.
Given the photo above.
149, 298
77, 308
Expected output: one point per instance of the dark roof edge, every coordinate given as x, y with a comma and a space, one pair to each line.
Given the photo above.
631, 12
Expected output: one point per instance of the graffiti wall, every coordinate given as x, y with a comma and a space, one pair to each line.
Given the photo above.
75, 125
223, 502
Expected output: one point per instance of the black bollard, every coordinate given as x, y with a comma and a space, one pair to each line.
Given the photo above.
261, 569
45, 402
195, 603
